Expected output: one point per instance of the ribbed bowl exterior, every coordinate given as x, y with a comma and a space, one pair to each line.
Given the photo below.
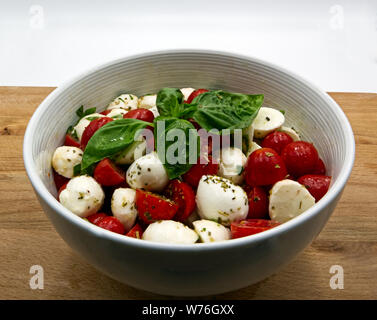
196, 269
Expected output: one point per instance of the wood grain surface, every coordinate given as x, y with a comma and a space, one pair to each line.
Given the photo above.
27, 238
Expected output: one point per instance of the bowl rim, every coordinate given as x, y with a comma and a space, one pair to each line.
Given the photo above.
58, 208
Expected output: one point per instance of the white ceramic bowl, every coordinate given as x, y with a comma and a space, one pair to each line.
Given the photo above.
200, 269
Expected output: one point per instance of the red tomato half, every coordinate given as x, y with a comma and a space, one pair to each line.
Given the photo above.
316, 184
141, 114
93, 126
111, 224
96, 217
192, 177
135, 232
248, 227
300, 158
320, 167
276, 140
71, 141
108, 174
61, 189
59, 180
183, 195
152, 207
194, 94
105, 112
258, 203
264, 167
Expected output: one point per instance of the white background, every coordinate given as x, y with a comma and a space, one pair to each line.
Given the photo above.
331, 43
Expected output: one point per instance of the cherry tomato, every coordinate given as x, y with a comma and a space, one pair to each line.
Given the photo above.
59, 180
108, 174
71, 141
248, 227
300, 158
141, 114
258, 203
61, 189
93, 126
193, 176
194, 94
276, 140
316, 184
135, 232
105, 112
195, 124
152, 207
319, 168
111, 224
264, 167
96, 217
183, 195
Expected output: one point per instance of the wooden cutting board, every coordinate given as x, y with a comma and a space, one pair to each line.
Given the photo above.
27, 238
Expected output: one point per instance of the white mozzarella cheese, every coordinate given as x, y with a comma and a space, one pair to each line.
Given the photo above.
186, 92
84, 122
266, 121
288, 199
116, 113
124, 101
123, 206
220, 200
232, 162
148, 101
169, 231
65, 158
155, 111
132, 153
210, 231
147, 173
83, 196
252, 147
291, 132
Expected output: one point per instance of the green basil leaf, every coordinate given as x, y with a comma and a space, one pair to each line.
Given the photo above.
175, 138
224, 110
77, 169
81, 113
170, 102
110, 139
188, 111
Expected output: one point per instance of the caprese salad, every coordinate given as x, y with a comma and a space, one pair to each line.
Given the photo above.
112, 169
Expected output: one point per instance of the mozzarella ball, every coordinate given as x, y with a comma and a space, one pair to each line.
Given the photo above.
252, 147
220, 200
187, 92
210, 231
288, 199
291, 132
124, 101
123, 206
232, 162
84, 122
65, 158
116, 113
169, 231
155, 112
147, 173
267, 120
148, 101
83, 196
132, 153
